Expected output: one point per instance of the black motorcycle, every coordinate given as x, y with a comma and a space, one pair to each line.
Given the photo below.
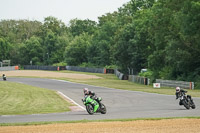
4, 77
186, 101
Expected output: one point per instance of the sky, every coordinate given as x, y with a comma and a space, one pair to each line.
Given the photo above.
63, 10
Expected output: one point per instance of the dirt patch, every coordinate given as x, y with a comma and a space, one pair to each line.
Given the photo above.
44, 74
140, 126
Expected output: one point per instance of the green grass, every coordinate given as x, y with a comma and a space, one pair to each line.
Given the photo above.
111, 81
16, 98
88, 121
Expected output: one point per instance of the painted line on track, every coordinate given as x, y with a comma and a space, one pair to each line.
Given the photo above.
71, 100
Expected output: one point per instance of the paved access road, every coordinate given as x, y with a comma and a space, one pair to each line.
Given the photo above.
120, 103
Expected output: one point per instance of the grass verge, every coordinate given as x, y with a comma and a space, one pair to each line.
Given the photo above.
16, 98
111, 81
87, 121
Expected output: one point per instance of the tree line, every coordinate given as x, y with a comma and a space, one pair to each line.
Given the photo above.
160, 35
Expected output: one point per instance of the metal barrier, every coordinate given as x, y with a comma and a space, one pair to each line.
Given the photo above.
85, 69
120, 75
9, 68
173, 83
34, 67
138, 79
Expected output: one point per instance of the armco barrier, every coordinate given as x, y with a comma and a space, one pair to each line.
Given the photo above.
9, 68
138, 79
85, 69
173, 83
34, 67
120, 75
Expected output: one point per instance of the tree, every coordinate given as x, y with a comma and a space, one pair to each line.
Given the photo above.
101, 49
61, 43
77, 27
5, 48
76, 51
55, 25
132, 40
18, 31
55, 37
31, 50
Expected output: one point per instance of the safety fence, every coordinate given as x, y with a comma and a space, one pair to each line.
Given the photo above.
9, 68
173, 83
138, 79
120, 75
35, 67
85, 69
71, 68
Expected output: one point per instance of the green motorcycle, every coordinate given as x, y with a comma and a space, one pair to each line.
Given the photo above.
94, 106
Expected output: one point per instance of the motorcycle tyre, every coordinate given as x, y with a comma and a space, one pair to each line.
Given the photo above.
187, 106
192, 104
103, 110
88, 108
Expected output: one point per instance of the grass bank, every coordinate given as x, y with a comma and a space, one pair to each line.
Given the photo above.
107, 80
111, 81
16, 98
88, 121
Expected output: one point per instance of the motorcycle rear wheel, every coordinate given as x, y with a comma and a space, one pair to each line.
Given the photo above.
103, 108
192, 105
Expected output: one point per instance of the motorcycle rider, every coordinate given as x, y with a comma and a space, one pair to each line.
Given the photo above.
93, 96
180, 92
4, 77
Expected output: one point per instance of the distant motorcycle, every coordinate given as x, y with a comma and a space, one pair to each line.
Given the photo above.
89, 103
186, 101
4, 77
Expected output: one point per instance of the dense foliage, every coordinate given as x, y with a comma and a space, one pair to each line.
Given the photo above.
160, 35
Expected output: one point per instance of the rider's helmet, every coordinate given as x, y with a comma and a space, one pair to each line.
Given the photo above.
178, 89
85, 91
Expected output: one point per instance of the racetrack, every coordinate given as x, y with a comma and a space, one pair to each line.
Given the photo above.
120, 103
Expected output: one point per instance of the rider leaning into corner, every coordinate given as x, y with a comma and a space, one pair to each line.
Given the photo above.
4, 77
180, 92
93, 96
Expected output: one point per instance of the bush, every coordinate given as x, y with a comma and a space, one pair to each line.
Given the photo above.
197, 85
111, 67
147, 74
85, 64
60, 64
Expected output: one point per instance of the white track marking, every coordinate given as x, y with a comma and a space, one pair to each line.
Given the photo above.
71, 100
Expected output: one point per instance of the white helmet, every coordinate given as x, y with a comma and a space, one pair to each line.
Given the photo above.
178, 89
85, 90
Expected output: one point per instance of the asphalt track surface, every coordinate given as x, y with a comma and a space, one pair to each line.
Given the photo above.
121, 104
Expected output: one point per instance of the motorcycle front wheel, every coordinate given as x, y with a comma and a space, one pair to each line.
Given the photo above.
186, 105
90, 109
